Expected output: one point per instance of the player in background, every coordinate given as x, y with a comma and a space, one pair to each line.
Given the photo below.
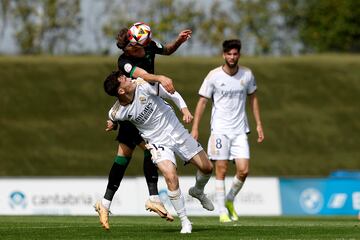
137, 61
142, 104
228, 86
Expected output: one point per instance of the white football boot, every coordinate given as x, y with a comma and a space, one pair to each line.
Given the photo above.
205, 202
186, 227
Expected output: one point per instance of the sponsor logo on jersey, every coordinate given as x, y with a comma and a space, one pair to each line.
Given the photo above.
128, 67
145, 114
231, 93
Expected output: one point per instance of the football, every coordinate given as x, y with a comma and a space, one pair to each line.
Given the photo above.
139, 33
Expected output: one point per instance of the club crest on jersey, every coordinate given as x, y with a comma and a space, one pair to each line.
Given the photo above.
242, 82
142, 99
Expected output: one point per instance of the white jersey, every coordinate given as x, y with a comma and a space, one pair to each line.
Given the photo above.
228, 94
152, 116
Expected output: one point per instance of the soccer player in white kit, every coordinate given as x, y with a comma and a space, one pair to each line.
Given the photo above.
228, 87
141, 103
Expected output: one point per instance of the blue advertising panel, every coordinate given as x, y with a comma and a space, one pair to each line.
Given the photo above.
320, 196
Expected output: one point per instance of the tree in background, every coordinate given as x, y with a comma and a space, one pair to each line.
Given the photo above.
27, 28
45, 25
162, 18
265, 26
119, 15
165, 17
325, 25
216, 27
60, 21
255, 21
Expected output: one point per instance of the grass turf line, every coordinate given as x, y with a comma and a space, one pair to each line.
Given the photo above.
130, 227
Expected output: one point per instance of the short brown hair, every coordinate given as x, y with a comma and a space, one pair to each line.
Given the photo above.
122, 38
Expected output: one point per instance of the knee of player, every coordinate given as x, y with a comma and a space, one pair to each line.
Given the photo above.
172, 179
208, 168
125, 150
242, 173
220, 174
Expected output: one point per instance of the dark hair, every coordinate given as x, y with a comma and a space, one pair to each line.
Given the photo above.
111, 83
122, 38
231, 44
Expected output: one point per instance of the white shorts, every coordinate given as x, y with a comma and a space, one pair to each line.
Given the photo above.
228, 147
183, 145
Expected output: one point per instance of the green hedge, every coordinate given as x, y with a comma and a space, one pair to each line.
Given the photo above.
53, 112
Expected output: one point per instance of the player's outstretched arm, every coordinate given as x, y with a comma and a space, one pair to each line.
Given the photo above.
175, 97
179, 102
171, 47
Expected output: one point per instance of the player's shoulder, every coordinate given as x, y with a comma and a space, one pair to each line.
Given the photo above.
214, 72
154, 44
123, 57
139, 81
245, 70
114, 109
144, 86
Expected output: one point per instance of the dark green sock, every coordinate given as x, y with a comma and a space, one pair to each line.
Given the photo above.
116, 175
151, 174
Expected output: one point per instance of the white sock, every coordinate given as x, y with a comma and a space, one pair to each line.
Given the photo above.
235, 188
178, 202
106, 203
201, 180
155, 198
220, 195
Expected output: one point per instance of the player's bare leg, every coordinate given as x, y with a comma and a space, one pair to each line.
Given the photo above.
168, 170
242, 169
153, 204
221, 167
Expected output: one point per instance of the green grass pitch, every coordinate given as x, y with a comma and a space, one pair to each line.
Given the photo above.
125, 227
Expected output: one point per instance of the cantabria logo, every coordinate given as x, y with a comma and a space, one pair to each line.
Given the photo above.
17, 199
311, 200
